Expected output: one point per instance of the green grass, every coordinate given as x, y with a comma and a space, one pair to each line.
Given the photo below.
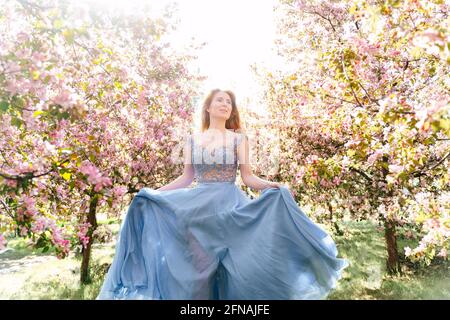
42, 276
37, 275
366, 277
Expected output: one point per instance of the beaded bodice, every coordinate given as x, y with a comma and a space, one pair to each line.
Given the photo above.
216, 165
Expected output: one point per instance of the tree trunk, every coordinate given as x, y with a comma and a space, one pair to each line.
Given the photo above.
393, 261
335, 225
390, 235
92, 219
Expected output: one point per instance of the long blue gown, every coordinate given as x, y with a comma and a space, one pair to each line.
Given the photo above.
212, 241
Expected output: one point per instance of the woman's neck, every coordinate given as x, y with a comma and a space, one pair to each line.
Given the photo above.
217, 125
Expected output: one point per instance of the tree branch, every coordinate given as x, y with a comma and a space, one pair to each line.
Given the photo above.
362, 173
348, 79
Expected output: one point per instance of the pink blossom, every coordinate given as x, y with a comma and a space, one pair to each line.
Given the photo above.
300, 173
428, 38
336, 181
61, 244
23, 53
23, 231
62, 98
60, 191
183, 114
103, 182
83, 229
408, 251
142, 100
119, 191
91, 171
395, 168
23, 167
38, 225
395, 52
12, 66
11, 183
23, 37
432, 223
20, 217
56, 234
31, 212
311, 159
2, 242
443, 253
98, 187
38, 57
422, 116
422, 246
29, 204
159, 134
12, 87
375, 156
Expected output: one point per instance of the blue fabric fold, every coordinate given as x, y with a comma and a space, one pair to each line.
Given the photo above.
213, 242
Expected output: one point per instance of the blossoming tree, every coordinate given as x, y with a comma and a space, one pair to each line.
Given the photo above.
363, 114
91, 106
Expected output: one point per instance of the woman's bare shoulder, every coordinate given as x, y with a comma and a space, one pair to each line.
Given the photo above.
238, 131
195, 135
239, 134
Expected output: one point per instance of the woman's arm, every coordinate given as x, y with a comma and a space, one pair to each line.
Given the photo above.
247, 175
187, 177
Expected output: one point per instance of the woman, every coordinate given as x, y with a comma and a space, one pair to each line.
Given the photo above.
212, 241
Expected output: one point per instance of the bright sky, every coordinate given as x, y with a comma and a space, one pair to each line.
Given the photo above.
238, 33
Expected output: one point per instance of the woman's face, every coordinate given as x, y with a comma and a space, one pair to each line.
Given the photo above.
220, 106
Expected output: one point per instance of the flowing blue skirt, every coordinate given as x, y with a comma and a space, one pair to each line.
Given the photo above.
213, 242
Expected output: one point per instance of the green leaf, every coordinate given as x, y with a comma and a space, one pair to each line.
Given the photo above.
58, 24
69, 35
351, 152
16, 122
416, 52
37, 113
40, 243
35, 74
118, 85
108, 51
4, 106
66, 176
18, 102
